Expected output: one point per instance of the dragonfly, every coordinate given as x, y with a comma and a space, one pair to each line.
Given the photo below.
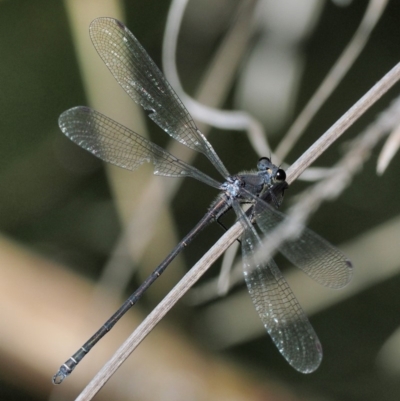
263, 189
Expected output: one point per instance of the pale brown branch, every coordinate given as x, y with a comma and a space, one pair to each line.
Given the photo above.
337, 129
234, 232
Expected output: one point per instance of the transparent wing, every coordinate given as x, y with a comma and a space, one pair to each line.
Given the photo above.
116, 144
277, 306
311, 253
136, 72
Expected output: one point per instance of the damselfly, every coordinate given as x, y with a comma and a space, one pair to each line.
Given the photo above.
276, 304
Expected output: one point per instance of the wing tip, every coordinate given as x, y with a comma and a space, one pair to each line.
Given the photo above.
310, 365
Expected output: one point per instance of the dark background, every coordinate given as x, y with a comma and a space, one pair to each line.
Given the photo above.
57, 207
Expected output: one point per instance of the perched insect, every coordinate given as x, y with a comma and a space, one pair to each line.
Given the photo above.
276, 304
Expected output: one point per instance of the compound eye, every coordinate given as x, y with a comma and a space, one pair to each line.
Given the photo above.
280, 175
263, 163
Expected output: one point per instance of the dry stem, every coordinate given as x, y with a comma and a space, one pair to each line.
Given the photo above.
232, 234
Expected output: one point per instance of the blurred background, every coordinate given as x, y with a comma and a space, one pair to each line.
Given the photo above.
77, 236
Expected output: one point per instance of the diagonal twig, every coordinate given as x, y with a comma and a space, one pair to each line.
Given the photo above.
233, 233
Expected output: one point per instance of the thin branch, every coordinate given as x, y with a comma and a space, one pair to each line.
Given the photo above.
331, 187
337, 129
388, 151
233, 233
